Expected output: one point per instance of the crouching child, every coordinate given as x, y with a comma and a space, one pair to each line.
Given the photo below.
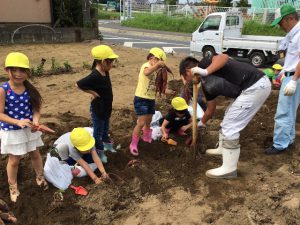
77, 148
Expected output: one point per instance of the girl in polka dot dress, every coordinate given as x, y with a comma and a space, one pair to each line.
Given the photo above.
20, 104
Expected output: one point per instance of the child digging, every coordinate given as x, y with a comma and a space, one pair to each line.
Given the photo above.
178, 120
78, 147
144, 99
20, 105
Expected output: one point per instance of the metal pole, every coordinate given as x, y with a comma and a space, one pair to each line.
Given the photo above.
120, 8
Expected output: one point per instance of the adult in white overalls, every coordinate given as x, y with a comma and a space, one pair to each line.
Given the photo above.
289, 94
241, 81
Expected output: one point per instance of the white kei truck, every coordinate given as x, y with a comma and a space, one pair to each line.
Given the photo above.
221, 33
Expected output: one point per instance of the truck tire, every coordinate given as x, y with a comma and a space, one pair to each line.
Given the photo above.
257, 59
208, 52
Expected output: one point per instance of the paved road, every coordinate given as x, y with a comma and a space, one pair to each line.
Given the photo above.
171, 42
113, 32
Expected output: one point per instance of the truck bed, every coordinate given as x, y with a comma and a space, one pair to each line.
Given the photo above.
267, 43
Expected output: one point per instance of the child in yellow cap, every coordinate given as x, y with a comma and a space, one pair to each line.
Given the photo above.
78, 147
98, 84
144, 99
274, 74
178, 120
20, 106
279, 77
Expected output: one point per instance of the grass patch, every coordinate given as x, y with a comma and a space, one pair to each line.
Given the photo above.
254, 28
108, 15
162, 22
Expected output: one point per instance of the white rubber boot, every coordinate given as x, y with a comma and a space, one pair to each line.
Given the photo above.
218, 149
229, 167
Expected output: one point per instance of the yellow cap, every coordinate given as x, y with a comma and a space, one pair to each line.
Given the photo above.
102, 52
158, 53
277, 67
179, 103
17, 59
81, 139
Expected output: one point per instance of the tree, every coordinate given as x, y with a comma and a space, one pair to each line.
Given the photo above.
224, 3
243, 3
67, 13
171, 2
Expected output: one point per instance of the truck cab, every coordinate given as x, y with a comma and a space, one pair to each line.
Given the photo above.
222, 33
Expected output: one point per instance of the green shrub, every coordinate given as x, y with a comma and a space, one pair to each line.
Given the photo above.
39, 70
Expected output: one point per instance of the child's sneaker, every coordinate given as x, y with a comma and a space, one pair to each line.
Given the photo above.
108, 146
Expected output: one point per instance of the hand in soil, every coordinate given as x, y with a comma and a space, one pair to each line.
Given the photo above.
5, 214
105, 176
8, 217
98, 180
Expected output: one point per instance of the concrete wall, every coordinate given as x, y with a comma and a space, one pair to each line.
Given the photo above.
25, 11
39, 34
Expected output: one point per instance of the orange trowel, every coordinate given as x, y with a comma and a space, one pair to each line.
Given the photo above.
79, 190
169, 141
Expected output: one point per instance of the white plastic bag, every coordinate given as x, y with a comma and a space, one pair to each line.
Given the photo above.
200, 112
58, 174
155, 119
156, 133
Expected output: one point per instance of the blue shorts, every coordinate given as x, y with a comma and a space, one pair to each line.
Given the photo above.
143, 106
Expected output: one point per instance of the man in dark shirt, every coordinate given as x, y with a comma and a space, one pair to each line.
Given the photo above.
243, 82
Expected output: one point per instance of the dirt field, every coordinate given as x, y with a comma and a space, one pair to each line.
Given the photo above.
168, 186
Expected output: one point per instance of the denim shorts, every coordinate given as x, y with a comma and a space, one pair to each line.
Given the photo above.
143, 106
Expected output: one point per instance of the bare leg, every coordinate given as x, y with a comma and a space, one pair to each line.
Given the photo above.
12, 168
37, 165
12, 173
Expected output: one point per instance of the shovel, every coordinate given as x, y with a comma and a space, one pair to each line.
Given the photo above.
79, 190
194, 127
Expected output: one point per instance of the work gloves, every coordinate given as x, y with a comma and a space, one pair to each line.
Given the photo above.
290, 88
201, 124
198, 70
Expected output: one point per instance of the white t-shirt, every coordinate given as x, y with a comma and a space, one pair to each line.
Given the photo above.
65, 139
292, 57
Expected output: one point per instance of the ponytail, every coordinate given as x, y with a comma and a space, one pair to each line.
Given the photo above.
95, 62
35, 96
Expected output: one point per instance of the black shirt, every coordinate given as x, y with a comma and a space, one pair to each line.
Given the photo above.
238, 76
101, 106
175, 122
